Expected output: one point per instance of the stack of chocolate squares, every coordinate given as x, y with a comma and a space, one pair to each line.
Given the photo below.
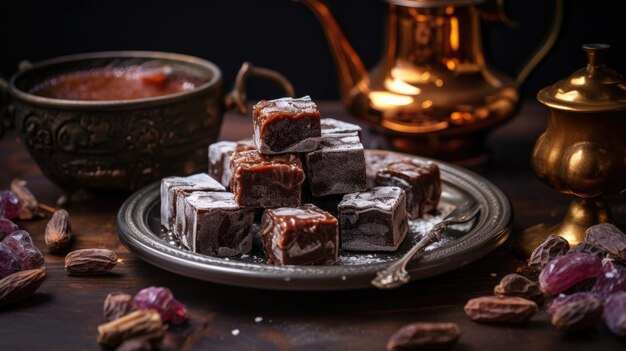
295, 154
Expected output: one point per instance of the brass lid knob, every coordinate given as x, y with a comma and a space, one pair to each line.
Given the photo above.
596, 88
596, 54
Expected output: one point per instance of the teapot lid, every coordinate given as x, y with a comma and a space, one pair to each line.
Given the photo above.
596, 88
433, 3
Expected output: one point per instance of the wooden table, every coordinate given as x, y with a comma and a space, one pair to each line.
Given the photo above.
65, 312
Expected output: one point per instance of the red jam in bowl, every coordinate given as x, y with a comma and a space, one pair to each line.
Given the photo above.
119, 83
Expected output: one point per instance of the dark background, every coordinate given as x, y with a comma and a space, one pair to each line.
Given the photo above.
285, 36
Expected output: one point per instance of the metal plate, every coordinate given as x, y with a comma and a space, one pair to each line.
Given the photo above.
140, 231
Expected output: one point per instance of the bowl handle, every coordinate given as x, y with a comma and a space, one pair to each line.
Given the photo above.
6, 108
237, 97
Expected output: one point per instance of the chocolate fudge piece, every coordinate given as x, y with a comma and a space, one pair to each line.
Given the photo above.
286, 125
220, 155
172, 186
333, 126
420, 180
304, 235
337, 166
374, 220
375, 160
212, 223
266, 181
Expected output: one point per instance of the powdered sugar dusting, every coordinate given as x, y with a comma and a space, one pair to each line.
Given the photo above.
382, 197
205, 200
341, 141
333, 126
353, 259
287, 105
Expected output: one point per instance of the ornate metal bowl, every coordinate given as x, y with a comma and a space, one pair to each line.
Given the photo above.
123, 144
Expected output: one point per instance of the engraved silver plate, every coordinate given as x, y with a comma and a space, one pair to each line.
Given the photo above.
140, 231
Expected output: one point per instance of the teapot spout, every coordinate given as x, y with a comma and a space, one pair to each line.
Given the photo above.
350, 68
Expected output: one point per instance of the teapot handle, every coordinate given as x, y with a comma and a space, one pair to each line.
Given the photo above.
237, 97
546, 45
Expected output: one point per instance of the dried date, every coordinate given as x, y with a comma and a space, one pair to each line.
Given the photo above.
117, 305
29, 206
527, 272
144, 324
609, 238
58, 233
421, 336
19, 286
496, 309
518, 285
90, 261
554, 246
578, 315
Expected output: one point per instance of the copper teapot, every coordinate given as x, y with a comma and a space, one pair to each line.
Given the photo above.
433, 90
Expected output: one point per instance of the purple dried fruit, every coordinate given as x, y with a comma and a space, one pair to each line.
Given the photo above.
6, 227
608, 237
9, 205
590, 249
579, 315
554, 246
9, 261
162, 300
566, 299
611, 280
615, 313
21, 244
565, 271
584, 286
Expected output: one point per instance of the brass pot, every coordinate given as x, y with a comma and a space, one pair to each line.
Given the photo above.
583, 150
433, 91
123, 144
